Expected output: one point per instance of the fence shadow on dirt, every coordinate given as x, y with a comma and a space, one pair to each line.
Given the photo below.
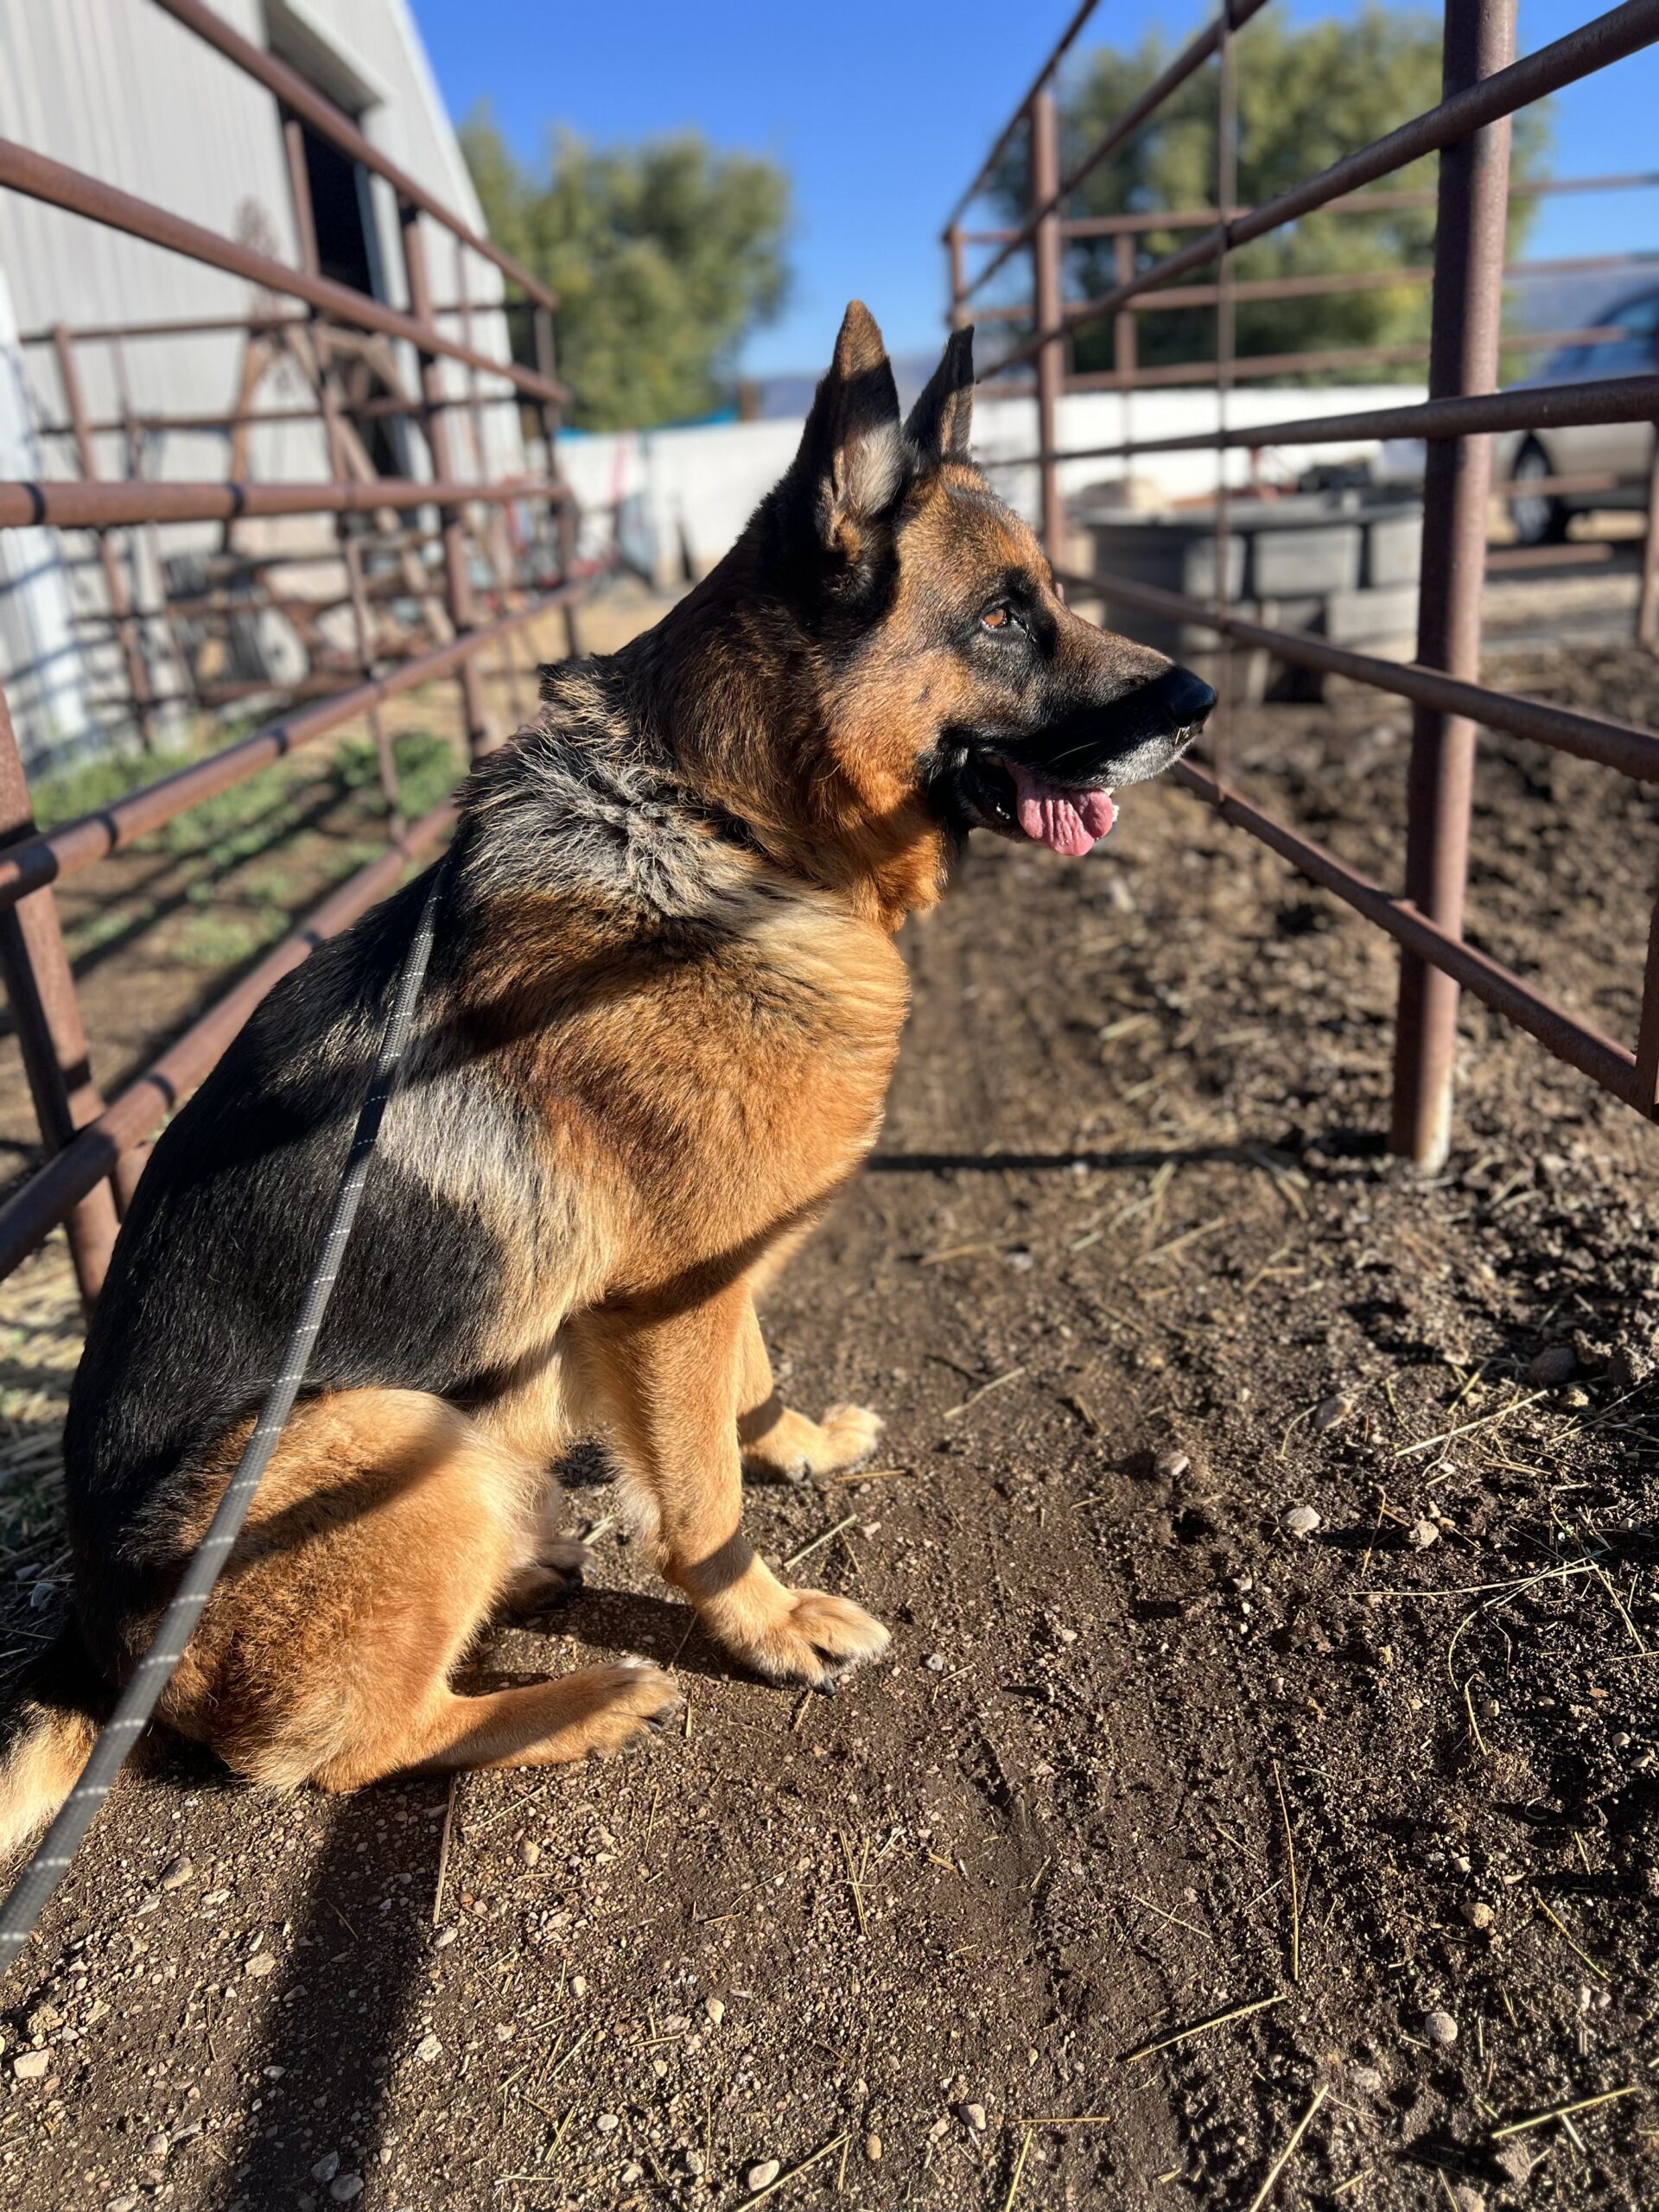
345, 2013
1263, 1157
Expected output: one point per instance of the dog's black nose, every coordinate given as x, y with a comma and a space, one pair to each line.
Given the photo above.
1186, 699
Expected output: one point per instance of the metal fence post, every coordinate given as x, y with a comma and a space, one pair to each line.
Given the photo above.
329, 404
1646, 604
47, 1015
565, 520
1472, 203
953, 261
435, 420
1050, 356
1124, 325
1219, 734
497, 535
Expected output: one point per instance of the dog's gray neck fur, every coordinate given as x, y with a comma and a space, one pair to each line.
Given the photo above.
586, 804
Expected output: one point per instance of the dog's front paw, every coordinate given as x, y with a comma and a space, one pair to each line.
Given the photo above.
809, 1635
795, 1448
567, 1559
851, 1433
623, 1700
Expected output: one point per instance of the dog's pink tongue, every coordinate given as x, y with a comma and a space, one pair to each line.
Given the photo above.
1066, 822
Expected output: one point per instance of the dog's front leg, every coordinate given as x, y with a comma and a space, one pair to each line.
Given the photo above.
777, 1440
670, 1386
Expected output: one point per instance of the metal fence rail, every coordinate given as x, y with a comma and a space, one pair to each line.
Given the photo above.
99, 506
1483, 85
39, 178
520, 532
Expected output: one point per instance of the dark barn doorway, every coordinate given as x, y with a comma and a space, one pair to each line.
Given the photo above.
348, 251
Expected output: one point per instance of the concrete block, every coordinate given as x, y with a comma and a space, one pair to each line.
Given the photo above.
1322, 557
1174, 557
1304, 613
1357, 618
1393, 547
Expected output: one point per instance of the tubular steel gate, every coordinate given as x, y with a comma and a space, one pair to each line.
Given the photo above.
96, 1149
1483, 85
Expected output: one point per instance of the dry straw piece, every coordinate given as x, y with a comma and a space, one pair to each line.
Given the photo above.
1203, 2028
1565, 2113
806, 2167
1288, 2152
1296, 1900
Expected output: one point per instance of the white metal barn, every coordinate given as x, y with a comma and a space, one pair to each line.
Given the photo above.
122, 91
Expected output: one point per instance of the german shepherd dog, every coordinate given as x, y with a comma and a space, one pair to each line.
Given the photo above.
658, 1025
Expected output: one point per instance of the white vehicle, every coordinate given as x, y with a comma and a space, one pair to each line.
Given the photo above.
1623, 451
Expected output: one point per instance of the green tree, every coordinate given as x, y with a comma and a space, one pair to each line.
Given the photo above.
664, 257
1306, 94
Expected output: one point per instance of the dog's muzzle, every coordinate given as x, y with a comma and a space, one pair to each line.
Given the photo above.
1056, 785
1135, 737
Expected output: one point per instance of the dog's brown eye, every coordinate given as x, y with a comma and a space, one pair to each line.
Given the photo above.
995, 618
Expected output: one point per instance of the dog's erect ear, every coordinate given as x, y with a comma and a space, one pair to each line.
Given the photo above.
851, 463
944, 416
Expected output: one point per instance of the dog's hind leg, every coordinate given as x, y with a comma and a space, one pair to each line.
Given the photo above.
779, 1442
668, 1388
544, 1724
387, 1529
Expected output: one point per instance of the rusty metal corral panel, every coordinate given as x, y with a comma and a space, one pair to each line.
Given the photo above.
399, 578
1483, 85
95, 83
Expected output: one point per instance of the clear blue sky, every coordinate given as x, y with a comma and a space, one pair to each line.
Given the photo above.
882, 108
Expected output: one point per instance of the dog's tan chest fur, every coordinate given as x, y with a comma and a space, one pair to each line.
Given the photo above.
706, 1104
691, 1117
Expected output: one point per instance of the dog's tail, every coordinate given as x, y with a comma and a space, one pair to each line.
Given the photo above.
46, 1738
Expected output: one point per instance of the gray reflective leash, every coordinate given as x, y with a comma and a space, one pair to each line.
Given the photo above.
149, 1678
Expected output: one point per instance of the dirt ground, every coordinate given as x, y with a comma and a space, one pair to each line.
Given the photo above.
1168, 1844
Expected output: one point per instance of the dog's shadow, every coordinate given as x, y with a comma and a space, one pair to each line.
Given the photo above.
324, 2066
624, 1622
